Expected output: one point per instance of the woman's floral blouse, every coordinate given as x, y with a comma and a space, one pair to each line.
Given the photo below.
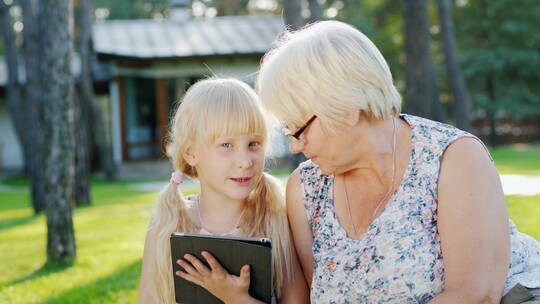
399, 258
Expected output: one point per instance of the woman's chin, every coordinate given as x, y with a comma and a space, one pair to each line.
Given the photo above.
326, 170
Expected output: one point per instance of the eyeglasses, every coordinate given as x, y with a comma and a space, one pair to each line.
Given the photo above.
296, 135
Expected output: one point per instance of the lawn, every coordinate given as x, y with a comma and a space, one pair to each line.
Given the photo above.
517, 159
109, 234
110, 237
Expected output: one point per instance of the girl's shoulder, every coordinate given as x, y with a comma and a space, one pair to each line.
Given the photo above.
192, 208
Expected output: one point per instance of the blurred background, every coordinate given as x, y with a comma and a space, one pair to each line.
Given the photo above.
87, 88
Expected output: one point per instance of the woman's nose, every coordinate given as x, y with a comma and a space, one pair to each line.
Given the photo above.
296, 146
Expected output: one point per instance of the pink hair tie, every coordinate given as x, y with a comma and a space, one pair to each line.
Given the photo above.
177, 177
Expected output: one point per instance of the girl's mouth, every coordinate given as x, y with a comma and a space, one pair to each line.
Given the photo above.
242, 181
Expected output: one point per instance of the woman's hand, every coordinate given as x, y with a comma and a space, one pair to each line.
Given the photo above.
227, 287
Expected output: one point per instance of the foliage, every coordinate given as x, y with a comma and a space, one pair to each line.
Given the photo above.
130, 9
500, 47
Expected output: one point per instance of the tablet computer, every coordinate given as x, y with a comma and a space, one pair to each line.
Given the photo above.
232, 253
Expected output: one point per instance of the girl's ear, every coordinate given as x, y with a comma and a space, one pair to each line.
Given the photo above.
190, 156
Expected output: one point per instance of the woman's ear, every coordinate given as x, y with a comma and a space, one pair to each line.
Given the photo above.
353, 117
190, 156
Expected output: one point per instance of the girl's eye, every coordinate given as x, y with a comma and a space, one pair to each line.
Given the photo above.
254, 144
226, 145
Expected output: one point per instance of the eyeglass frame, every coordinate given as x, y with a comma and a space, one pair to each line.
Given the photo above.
296, 135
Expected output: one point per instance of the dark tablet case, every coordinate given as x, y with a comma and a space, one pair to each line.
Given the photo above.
232, 253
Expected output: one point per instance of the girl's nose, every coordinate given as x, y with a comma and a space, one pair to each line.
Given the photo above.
244, 160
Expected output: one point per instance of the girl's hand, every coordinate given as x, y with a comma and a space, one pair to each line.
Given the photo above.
227, 287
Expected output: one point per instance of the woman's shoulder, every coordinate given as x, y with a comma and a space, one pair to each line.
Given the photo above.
435, 137
311, 179
428, 127
308, 170
433, 130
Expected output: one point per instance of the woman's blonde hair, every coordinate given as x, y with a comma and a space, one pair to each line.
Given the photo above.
213, 108
329, 69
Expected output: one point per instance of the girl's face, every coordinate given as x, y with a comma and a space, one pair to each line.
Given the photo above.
231, 166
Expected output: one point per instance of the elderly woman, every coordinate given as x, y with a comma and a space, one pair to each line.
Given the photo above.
388, 208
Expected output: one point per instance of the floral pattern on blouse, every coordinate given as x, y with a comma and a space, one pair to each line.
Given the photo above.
398, 259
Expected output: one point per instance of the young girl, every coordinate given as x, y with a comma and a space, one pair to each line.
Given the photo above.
219, 135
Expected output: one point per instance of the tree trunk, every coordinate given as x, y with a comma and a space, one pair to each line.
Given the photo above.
230, 7
59, 135
439, 113
97, 121
33, 98
455, 77
292, 11
81, 188
15, 103
421, 92
83, 99
314, 10
492, 110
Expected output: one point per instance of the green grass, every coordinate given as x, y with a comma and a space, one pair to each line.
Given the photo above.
517, 159
109, 235
525, 212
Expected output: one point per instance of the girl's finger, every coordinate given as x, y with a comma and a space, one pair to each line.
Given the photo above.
201, 268
214, 264
188, 268
245, 275
189, 277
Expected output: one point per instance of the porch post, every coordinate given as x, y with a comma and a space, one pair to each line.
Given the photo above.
162, 112
117, 120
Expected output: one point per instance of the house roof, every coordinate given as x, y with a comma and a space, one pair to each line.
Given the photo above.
146, 39
154, 39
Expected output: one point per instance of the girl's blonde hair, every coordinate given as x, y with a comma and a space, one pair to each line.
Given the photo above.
213, 108
329, 69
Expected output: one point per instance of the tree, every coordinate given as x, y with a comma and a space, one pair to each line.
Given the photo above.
131, 9
33, 100
421, 91
58, 126
455, 77
501, 61
292, 12
13, 89
83, 99
315, 10
82, 133
96, 121
230, 7
90, 129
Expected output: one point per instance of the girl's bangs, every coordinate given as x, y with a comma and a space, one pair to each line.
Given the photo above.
233, 118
